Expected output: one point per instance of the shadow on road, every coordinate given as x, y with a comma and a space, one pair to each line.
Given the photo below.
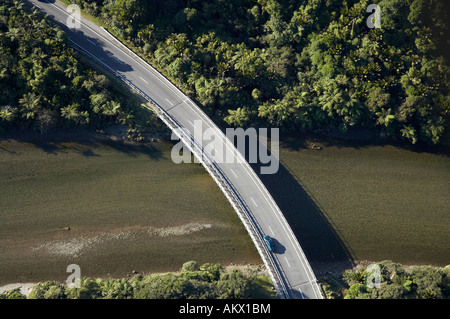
91, 44
279, 247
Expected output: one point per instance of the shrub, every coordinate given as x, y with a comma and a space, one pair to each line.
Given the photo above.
190, 266
12, 294
208, 281
358, 291
400, 282
429, 281
48, 290
89, 289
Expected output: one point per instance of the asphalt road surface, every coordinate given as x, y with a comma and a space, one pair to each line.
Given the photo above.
288, 257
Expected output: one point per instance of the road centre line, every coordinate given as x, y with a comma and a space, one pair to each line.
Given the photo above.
176, 91
118, 60
143, 63
287, 261
143, 79
233, 172
169, 101
91, 42
301, 293
253, 201
227, 141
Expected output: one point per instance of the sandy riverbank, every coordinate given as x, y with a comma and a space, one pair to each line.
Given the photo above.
24, 288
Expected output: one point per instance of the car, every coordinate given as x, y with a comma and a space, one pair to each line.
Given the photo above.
269, 242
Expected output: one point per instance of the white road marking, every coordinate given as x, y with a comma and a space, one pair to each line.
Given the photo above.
91, 42
271, 231
209, 124
233, 173
169, 101
253, 201
106, 65
118, 60
287, 261
143, 79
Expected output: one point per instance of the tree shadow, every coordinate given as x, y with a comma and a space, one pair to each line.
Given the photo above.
89, 153
84, 41
357, 139
135, 149
82, 141
8, 151
90, 44
48, 147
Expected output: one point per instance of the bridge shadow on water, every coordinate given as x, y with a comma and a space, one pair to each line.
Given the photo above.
318, 238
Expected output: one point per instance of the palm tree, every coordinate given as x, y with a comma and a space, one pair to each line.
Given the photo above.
331, 99
71, 71
13, 33
31, 104
88, 85
7, 113
18, 5
145, 34
385, 117
71, 112
212, 91
238, 117
410, 133
111, 108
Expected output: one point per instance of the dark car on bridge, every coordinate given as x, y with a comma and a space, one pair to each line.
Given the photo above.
269, 242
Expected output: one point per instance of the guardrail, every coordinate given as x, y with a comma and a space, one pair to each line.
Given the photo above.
234, 198
217, 174
310, 274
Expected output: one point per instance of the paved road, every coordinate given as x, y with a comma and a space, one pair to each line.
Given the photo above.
288, 256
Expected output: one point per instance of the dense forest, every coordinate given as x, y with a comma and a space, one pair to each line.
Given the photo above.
310, 66
303, 65
43, 84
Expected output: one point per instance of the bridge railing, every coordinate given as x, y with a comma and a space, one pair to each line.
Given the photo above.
234, 198
219, 177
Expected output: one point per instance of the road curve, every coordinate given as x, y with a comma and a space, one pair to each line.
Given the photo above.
289, 268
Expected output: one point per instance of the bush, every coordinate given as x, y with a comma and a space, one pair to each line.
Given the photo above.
358, 291
12, 294
400, 282
208, 281
89, 289
48, 290
429, 281
116, 288
190, 266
